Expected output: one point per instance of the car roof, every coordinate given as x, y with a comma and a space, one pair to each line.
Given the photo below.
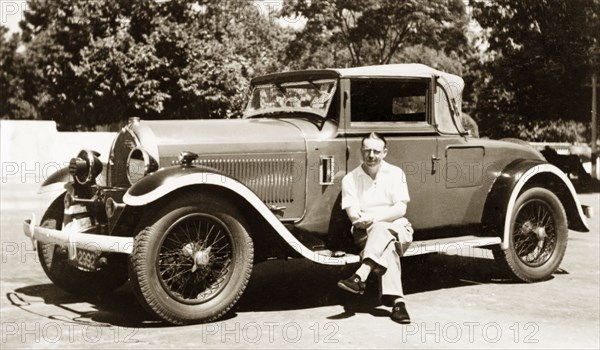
405, 70
397, 70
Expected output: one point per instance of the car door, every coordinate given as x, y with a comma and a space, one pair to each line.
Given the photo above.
400, 110
461, 189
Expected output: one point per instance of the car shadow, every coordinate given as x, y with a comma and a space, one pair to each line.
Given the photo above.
299, 284
118, 308
275, 285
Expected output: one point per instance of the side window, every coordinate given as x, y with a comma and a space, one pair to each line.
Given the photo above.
443, 114
388, 100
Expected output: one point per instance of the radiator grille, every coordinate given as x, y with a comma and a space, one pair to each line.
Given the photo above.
271, 179
123, 144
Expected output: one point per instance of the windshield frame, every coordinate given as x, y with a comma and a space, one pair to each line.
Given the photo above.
282, 86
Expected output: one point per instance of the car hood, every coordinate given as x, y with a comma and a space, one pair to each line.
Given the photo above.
165, 139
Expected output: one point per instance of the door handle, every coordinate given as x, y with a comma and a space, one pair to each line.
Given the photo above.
434, 161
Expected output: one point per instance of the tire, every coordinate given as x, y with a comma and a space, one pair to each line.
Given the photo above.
537, 239
191, 260
54, 261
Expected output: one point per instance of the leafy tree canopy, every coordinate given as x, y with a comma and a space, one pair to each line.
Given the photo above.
103, 61
372, 31
544, 52
84, 63
14, 86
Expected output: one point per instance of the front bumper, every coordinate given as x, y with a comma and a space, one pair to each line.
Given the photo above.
74, 240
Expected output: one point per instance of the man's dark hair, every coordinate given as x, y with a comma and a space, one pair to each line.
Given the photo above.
374, 136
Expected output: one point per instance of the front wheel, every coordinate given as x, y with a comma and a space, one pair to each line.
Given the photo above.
55, 262
192, 260
538, 237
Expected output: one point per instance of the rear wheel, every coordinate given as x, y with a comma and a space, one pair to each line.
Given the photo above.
55, 262
538, 236
192, 260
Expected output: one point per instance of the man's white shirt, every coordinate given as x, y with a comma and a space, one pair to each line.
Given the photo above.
369, 195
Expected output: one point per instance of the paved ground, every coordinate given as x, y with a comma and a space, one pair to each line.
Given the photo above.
454, 301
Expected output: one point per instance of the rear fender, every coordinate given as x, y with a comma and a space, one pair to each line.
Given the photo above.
519, 176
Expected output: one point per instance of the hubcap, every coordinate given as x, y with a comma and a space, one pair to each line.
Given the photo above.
200, 257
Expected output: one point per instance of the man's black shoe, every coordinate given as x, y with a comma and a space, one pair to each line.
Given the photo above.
353, 285
399, 313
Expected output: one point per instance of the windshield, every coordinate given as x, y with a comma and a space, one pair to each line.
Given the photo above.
299, 96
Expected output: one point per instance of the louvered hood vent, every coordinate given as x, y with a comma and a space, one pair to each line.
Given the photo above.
272, 179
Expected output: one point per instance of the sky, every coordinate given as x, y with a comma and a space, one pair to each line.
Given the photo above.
11, 12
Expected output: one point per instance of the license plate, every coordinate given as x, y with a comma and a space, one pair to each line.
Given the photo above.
87, 259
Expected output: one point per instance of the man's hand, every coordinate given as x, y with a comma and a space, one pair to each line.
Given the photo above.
363, 222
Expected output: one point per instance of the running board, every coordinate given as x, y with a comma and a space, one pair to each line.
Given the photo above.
462, 244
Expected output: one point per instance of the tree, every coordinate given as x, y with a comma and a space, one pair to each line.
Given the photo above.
103, 61
13, 87
438, 59
373, 31
544, 52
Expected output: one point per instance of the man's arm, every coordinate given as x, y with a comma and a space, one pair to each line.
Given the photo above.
390, 214
353, 214
358, 218
350, 199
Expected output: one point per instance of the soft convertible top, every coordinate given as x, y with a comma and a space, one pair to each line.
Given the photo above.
453, 83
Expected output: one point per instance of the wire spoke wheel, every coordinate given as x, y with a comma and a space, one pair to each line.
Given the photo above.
537, 238
534, 237
194, 261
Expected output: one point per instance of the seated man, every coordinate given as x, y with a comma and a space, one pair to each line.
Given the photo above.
375, 195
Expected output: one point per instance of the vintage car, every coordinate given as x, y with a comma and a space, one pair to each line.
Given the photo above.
185, 208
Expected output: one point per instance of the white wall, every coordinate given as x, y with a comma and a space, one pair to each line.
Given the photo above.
32, 150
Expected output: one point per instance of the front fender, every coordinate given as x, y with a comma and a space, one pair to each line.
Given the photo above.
58, 179
510, 183
166, 180
153, 187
